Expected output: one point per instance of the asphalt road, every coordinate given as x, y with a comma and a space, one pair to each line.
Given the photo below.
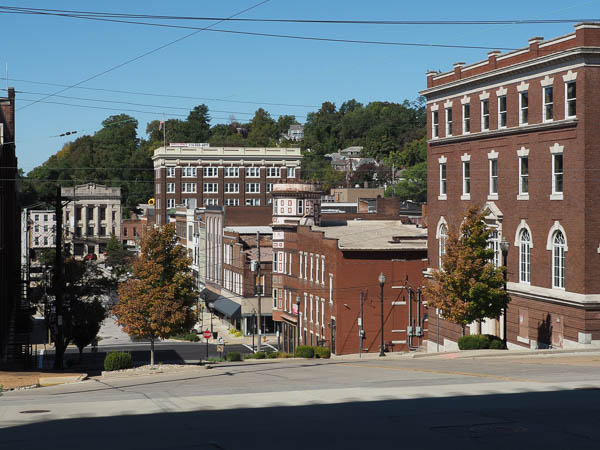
545, 402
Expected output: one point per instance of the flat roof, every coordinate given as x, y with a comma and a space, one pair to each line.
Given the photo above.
250, 229
377, 235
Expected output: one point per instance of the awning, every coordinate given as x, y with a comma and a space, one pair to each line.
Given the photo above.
227, 307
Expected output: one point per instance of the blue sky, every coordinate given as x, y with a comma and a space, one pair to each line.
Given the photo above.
243, 68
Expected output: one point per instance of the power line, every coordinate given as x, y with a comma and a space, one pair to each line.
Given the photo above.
167, 95
129, 61
286, 36
76, 13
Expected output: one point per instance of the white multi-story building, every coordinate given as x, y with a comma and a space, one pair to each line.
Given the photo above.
92, 215
42, 228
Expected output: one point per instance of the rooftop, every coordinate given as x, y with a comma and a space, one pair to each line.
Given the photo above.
250, 229
377, 235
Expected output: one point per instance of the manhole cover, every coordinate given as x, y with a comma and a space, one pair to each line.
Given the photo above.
35, 411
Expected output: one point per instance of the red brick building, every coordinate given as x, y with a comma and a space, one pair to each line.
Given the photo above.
518, 134
322, 274
197, 175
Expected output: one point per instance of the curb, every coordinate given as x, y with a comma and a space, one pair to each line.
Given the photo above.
53, 381
158, 371
503, 353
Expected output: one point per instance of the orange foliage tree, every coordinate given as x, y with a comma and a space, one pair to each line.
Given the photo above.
157, 301
468, 287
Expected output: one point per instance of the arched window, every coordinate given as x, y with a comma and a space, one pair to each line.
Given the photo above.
558, 260
494, 244
443, 235
524, 256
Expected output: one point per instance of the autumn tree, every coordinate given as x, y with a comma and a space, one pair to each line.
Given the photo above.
156, 302
468, 287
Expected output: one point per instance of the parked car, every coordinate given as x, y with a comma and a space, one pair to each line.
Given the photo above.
91, 256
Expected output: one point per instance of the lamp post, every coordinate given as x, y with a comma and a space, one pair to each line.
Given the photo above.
504, 246
297, 321
381, 283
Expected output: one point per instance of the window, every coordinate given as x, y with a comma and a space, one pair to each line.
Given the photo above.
188, 172
305, 265
300, 267
253, 188
210, 188
232, 202
323, 270
103, 230
290, 264
210, 172
170, 188
557, 173
523, 175
252, 172
232, 172
305, 308
317, 269
485, 115
524, 256
311, 309
494, 244
443, 179
253, 202
275, 262
300, 207
211, 202
435, 125
317, 310
443, 235
45, 228
36, 228
466, 178
331, 288
312, 260
45, 217
291, 172
275, 303
502, 111
524, 108
448, 121
494, 176
189, 188
170, 172
548, 99
558, 260
269, 187
170, 203
571, 99
466, 118
273, 172
36, 241
232, 188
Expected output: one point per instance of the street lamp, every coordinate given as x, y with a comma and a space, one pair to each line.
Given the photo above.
297, 321
504, 246
381, 283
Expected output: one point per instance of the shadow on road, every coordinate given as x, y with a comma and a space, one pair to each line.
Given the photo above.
551, 420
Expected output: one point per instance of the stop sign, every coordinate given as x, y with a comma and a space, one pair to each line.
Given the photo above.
207, 334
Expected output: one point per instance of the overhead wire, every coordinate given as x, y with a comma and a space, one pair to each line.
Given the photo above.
143, 55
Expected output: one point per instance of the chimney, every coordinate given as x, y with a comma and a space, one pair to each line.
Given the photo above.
587, 34
430, 74
458, 69
534, 45
492, 58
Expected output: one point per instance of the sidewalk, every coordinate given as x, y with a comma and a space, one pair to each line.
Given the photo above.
20, 379
222, 328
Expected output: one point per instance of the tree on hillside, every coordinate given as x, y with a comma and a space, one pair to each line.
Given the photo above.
468, 287
263, 130
413, 159
157, 301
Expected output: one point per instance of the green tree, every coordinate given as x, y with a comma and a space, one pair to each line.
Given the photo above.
468, 287
86, 318
413, 185
263, 130
158, 300
117, 257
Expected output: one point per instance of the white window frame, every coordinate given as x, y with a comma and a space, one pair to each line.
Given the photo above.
331, 289
211, 202
493, 180
170, 171
232, 188
210, 172
323, 270
557, 151
189, 188
232, 202
524, 256
189, 172
502, 114
210, 188
252, 172
523, 109
273, 172
442, 238
485, 117
494, 244
253, 202
558, 260
305, 265
316, 311
311, 266
232, 172
311, 308
569, 101
291, 172
305, 306
253, 188
269, 187
547, 106
443, 178
435, 124
170, 203
448, 116
317, 269
300, 266
466, 177
466, 118
275, 262
170, 188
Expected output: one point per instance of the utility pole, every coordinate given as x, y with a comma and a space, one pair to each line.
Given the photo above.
58, 286
258, 289
360, 327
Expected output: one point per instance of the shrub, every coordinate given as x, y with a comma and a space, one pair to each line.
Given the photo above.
233, 356
273, 355
322, 352
117, 361
305, 351
260, 355
232, 330
473, 342
237, 334
214, 359
497, 344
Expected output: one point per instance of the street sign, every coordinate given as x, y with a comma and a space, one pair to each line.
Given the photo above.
221, 341
207, 334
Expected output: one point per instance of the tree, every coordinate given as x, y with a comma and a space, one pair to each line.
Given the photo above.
118, 258
412, 186
86, 318
157, 301
468, 287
